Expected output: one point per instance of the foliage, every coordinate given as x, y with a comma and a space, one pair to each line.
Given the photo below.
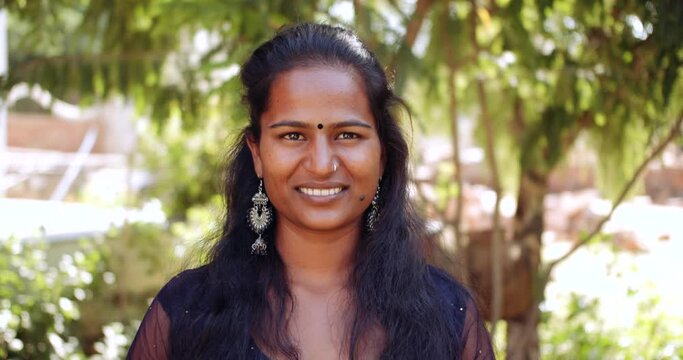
86, 302
116, 341
186, 166
635, 319
40, 303
580, 333
197, 233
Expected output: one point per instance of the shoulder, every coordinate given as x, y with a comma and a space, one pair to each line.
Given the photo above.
454, 298
453, 292
183, 290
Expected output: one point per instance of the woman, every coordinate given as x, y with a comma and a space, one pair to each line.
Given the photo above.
327, 264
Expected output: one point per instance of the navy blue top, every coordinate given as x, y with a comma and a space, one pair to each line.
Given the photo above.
181, 299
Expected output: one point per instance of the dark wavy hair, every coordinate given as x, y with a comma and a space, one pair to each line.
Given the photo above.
248, 297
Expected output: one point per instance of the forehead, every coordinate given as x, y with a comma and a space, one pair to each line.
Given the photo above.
321, 94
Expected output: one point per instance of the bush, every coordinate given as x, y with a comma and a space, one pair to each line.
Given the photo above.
580, 333
86, 301
40, 303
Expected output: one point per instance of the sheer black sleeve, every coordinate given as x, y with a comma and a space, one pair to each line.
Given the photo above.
475, 336
153, 338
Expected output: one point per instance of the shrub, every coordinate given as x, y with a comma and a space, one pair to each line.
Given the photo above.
40, 303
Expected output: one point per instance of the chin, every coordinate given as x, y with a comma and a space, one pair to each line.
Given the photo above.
326, 224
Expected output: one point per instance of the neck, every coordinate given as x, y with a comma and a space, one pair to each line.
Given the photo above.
317, 261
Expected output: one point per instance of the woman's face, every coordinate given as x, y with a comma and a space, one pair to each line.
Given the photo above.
319, 153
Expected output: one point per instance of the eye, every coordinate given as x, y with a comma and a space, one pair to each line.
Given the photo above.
293, 136
347, 136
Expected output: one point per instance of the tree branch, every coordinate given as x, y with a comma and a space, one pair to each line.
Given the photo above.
673, 133
413, 28
415, 22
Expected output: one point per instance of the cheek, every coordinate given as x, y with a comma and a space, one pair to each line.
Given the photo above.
278, 162
366, 164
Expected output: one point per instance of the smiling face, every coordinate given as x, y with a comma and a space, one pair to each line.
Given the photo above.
319, 153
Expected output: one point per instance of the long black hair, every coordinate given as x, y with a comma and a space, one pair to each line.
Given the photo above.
247, 297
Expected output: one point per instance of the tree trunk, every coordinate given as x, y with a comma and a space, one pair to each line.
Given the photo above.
522, 332
496, 304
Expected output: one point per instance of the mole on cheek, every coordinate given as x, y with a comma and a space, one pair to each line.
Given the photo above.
362, 197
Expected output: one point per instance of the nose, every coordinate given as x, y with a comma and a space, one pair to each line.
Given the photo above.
321, 158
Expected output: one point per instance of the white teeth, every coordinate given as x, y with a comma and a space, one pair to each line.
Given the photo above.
320, 192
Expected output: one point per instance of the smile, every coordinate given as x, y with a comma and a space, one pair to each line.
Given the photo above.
320, 192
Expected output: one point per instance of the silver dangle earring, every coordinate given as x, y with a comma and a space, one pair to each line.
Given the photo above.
373, 213
259, 219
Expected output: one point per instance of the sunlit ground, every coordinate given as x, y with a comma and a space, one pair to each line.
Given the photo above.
627, 283
56, 220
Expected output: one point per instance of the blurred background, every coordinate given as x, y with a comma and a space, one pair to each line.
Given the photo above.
547, 154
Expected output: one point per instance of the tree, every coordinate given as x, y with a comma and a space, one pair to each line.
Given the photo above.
551, 72
554, 71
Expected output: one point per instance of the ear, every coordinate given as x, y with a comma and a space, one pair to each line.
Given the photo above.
255, 154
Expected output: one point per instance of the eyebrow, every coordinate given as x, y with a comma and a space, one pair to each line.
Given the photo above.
290, 123
351, 123
304, 125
